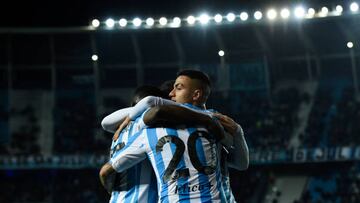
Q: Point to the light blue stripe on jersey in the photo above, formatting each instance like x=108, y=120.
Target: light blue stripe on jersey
x=181, y=181
x=152, y=138
x=205, y=193
x=114, y=196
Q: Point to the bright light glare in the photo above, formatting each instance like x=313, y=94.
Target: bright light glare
x=122, y=22
x=244, y=16
x=204, y=19
x=324, y=11
x=137, y=22
x=299, y=12
x=110, y=23
x=221, y=53
x=163, y=21
x=94, y=57
x=230, y=17
x=95, y=23
x=339, y=9
x=257, y=15
x=311, y=12
x=150, y=21
x=354, y=7
x=176, y=22
x=271, y=14
x=285, y=13
x=190, y=20
x=218, y=18
x=350, y=45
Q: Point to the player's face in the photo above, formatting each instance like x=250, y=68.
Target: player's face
x=183, y=90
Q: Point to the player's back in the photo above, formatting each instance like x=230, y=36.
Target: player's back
x=137, y=184
x=186, y=164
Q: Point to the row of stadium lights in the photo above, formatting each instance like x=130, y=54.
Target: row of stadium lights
x=221, y=53
x=203, y=19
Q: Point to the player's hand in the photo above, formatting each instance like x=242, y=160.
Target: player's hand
x=216, y=128
x=228, y=123
x=121, y=127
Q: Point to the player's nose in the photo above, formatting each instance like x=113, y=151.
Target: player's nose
x=172, y=93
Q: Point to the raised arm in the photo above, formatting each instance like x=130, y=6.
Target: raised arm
x=112, y=121
x=148, y=102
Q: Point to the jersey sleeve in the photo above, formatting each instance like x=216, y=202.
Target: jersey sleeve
x=148, y=102
x=112, y=121
x=131, y=154
x=239, y=152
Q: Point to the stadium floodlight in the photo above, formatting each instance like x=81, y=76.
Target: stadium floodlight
x=271, y=14
x=122, y=22
x=338, y=10
x=244, y=16
x=285, y=13
x=95, y=23
x=218, y=18
x=94, y=57
x=163, y=21
x=137, y=22
x=230, y=17
x=110, y=23
x=350, y=45
x=204, y=18
x=311, y=13
x=324, y=12
x=176, y=22
x=354, y=7
x=257, y=15
x=299, y=12
x=221, y=53
x=190, y=20
x=150, y=21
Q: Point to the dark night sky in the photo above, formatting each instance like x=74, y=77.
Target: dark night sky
x=55, y=13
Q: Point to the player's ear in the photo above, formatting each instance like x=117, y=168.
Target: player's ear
x=197, y=95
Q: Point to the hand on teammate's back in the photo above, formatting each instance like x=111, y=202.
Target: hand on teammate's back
x=121, y=127
x=216, y=128
x=228, y=123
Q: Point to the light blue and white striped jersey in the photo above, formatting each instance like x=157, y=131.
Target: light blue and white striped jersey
x=225, y=179
x=138, y=183
x=185, y=161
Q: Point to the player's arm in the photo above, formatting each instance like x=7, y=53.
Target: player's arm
x=131, y=154
x=107, y=177
x=112, y=121
x=148, y=102
x=170, y=115
x=239, y=152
